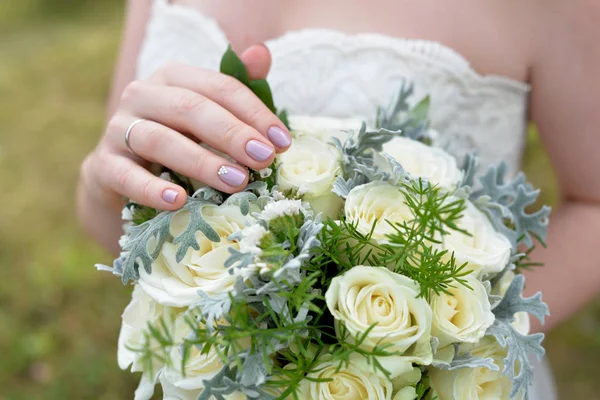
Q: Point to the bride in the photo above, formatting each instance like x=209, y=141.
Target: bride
x=489, y=65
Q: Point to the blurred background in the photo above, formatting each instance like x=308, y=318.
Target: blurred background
x=59, y=317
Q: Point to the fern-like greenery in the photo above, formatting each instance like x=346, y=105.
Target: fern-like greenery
x=409, y=251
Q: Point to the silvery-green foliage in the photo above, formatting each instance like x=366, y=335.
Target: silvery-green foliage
x=208, y=194
x=266, y=295
x=357, y=159
x=495, y=279
x=156, y=232
x=197, y=223
x=470, y=167
x=238, y=260
x=516, y=364
x=342, y=187
x=156, y=229
x=399, y=116
x=290, y=273
x=212, y=308
x=253, y=371
x=226, y=382
x=358, y=149
x=504, y=200
x=116, y=269
x=466, y=360
x=244, y=198
x=398, y=175
x=494, y=299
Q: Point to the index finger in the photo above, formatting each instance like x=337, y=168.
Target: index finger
x=232, y=95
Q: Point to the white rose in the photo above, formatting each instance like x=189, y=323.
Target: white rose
x=464, y=315
x=475, y=383
x=364, y=296
x=404, y=384
x=422, y=161
x=311, y=167
x=323, y=128
x=350, y=383
x=200, y=366
x=141, y=311
x=177, y=284
x=376, y=202
x=171, y=392
x=485, y=251
x=406, y=393
x=521, y=322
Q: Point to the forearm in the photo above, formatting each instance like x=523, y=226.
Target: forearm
x=571, y=275
x=99, y=212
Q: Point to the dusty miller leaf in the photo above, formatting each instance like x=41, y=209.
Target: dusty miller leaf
x=342, y=187
x=508, y=200
x=413, y=122
x=357, y=159
x=156, y=229
x=466, y=360
x=208, y=194
x=254, y=370
x=223, y=384
x=518, y=347
x=212, y=308
x=470, y=166
x=290, y=273
x=197, y=223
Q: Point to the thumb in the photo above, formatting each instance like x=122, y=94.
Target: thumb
x=257, y=60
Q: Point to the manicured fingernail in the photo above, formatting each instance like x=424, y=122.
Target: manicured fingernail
x=279, y=137
x=170, y=196
x=231, y=176
x=257, y=150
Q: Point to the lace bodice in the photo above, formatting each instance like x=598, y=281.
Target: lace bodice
x=323, y=72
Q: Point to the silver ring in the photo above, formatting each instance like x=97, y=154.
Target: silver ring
x=128, y=134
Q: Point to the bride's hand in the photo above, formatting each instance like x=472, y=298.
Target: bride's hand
x=181, y=106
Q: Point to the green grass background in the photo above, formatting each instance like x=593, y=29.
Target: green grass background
x=59, y=317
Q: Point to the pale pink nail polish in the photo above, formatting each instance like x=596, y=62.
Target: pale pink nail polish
x=258, y=151
x=231, y=176
x=279, y=137
x=170, y=196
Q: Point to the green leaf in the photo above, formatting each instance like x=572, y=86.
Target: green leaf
x=421, y=110
x=283, y=116
x=141, y=213
x=261, y=89
x=232, y=65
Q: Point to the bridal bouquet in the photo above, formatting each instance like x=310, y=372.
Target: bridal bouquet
x=364, y=264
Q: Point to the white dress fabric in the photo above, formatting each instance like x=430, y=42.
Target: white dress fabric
x=321, y=72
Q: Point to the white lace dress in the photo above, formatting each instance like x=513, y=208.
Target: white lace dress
x=322, y=72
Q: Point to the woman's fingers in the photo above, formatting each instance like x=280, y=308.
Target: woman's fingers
x=188, y=112
x=215, y=109
x=231, y=95
x=122, y=175
x=159, y=144
x=257, y=60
